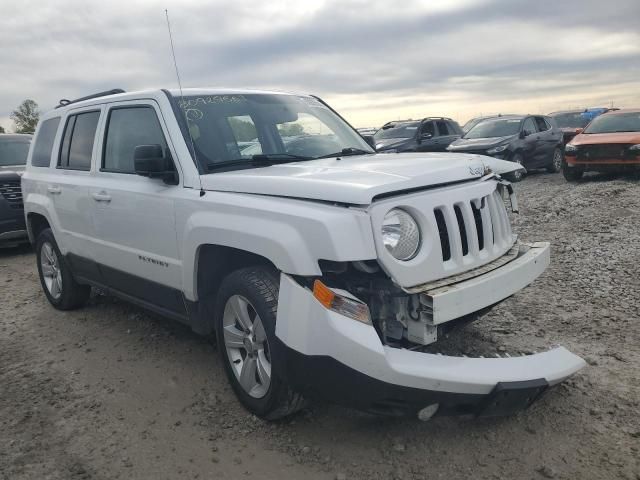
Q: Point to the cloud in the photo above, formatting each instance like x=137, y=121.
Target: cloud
x=373, y=60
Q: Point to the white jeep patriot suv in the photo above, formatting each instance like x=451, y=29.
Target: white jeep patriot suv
x=323, y=268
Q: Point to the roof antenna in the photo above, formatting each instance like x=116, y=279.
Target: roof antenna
x=175, y=64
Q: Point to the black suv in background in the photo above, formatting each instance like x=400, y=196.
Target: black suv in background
x=432, y=134
x=534, y=141
x=13, y=157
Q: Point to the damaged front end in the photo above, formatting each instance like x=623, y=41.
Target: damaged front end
x=385, y=361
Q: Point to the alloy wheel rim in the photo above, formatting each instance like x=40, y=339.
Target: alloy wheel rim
x=247, y=346
x=51, y=272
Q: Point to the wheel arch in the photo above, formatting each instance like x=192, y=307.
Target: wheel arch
x=36, y=223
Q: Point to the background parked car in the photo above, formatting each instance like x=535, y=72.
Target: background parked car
x=13, y=157
x=431, y=134
x=609, y=142
x=534, y=141
x=572, y=122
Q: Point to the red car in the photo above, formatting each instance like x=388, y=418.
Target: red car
x=611, y=142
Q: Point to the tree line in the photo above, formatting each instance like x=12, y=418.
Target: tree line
x=25, y=117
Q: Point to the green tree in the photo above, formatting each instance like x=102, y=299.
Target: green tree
x=290, y=129
x=2, y=129
x=26, y=116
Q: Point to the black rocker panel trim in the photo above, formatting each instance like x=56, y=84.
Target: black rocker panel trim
x=159, y=298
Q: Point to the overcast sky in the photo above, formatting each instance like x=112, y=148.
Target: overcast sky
x=373, y=61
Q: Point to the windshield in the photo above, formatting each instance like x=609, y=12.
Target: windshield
x=495, y=128
x=13, y=152
x=572, y=120
x=615, y=122
x=397, y=130
x=471, y=123
x=234, y=128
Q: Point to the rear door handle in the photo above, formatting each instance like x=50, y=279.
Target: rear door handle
x=101, y=197
x=54, y=190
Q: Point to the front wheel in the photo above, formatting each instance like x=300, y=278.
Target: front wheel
x=57, y=281
x=572, y=174
x=556, y=161
x=518, y=174
x=246, y=311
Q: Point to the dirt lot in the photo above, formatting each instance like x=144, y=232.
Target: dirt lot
x=111, y=391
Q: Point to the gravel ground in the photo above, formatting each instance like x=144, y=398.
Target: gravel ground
x=111, y=391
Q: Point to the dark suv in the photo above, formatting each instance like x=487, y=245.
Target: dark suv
x=534, y=141
x=432, y=134
x=13, y=157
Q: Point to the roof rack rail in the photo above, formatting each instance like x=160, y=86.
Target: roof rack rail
x=64, y=102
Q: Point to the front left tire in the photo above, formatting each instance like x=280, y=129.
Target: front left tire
x=56, y=278
x=245, y=316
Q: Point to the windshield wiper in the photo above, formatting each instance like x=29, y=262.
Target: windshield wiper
x=258, y=160
x=346, y=152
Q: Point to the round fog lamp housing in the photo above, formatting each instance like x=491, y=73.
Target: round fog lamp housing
x=400, y=234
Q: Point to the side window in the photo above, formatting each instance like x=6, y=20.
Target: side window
x=77, y=141
x=44, y=143
x=529, y=126
x=443, y=128
x=454, y=128
x=428, y=127
x=245, y=135
x=128, y=127
x=542, y=124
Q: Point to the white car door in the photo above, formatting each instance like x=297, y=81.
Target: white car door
x=135, y=240
x=67, y=182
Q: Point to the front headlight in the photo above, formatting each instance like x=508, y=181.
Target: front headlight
x=400, y=234
x=568, y=148
x=498, y=149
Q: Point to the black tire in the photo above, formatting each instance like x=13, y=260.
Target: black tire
x=557, y=160
x=571, y=174
x=259, y=286
x=518, y=174
x=70, y=294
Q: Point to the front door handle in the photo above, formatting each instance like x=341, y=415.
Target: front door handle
x=101, y=197
x=54, y=190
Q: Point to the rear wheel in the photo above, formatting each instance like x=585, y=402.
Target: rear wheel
x=556, y=161
x=518, y=174
x=245, y=325
x=57, y=281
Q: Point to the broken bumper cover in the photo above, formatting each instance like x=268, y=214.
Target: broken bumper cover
x=327, y=355
x=455, y=297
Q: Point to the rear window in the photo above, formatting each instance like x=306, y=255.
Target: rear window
x=44, y=143
x=77, y=142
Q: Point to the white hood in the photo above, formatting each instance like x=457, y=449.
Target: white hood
x=356, y=179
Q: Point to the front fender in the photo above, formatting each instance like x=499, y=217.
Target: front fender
x=292, y=234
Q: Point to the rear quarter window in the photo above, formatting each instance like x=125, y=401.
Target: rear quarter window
x=43, y=144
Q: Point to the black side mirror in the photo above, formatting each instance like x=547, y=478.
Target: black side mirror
x=370, y=140
x=150, y=161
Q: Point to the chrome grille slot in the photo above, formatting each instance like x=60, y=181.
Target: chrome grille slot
x=12, y=193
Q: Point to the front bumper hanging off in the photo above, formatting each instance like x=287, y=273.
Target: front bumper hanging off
x=342, y=360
